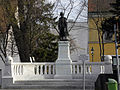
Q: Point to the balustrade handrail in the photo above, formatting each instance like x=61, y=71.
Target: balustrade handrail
x=34, y=63
x=88, y=63
x=53, y=63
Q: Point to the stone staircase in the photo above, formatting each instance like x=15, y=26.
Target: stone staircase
x=53, y=84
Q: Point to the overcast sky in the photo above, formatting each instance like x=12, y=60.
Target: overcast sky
x=77, y=4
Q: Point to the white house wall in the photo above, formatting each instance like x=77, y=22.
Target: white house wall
x=79, y=34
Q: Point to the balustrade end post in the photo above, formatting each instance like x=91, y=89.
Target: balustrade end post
x=7, y=78
x=108, y=64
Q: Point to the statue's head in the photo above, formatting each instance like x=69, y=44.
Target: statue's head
x=61, y=14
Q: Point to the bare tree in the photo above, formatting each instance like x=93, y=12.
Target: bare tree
x=7, y=45
x=100, y=13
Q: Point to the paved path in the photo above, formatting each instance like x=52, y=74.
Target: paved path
x=36, y=89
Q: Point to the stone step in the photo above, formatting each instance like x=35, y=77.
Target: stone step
x=60, y=80
x=55, y=82
x=63, y=87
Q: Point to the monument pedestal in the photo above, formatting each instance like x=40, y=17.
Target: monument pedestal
x=63, y=63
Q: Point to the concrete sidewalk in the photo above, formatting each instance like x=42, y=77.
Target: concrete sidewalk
x=38, y=89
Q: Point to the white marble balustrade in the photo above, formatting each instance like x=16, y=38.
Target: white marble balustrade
x=32, y=71
x=38, y=71
x=90, y=68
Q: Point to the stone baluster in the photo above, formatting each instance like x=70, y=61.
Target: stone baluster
x=45, y=72
x=81, y=67
x=49, y=69
x=78, y=69
x=53, y=69
x=73, y=69
x=102, y=69
x=88, y=69
x=17, y=70
x=21, y=73
x=37, y=69
x=41, y=69
x=13, y=70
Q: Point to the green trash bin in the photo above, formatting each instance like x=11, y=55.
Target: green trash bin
x=112, y=84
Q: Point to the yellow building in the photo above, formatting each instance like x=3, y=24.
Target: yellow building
x=98, y=9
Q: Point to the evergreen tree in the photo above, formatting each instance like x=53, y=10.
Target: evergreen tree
x=42, y=43
x=46, y=50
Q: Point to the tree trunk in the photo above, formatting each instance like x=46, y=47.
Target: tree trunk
x=20, y=34
x=21, y=42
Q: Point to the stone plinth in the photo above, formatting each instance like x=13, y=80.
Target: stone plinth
x=63, y=63
x=7, y=78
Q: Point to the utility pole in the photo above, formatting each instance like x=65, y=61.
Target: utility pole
x=84, y=71
x=116, y=48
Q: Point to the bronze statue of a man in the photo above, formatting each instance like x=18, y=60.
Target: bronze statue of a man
x=62, y=26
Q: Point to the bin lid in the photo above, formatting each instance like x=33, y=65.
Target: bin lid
x=112, y=81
